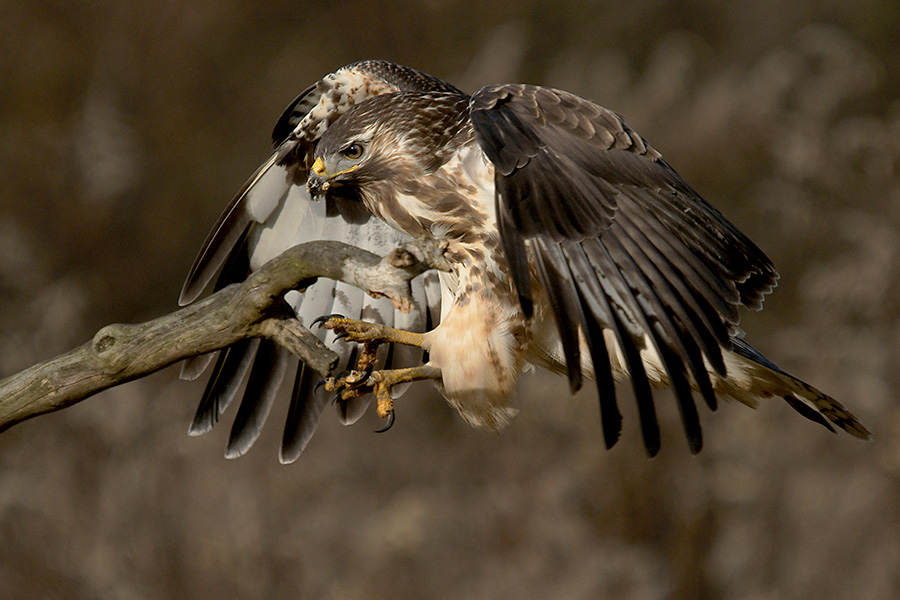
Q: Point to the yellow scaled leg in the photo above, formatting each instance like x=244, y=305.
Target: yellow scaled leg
x=365, y=332
x=365, y=379
x=385, y=380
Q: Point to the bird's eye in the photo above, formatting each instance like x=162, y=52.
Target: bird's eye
x=353, y=151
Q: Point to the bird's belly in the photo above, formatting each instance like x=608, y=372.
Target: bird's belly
x=478, y=346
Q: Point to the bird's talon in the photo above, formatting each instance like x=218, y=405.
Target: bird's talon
x=321, y=320
x=389, y=424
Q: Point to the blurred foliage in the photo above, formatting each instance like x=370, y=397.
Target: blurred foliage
x=126, y=126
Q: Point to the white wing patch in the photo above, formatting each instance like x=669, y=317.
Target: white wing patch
x=294, y=220
x=266, y=191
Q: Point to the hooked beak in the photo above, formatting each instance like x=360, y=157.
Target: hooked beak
x=320, y=180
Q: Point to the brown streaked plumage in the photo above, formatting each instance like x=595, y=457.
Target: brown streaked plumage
x=574, y=246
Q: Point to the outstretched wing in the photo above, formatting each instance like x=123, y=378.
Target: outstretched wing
x=273, y=212
x=620, y=243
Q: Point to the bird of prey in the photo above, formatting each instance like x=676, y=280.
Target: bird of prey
x=573, y=245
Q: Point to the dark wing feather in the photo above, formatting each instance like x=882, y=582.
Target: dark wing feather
x=232, y=365
x=304, y=411
x=632, y=329
x=273, y=212
x=597, y=312
x=269, y=367
x=654, y=318
x=621, y=238
x=553, y=270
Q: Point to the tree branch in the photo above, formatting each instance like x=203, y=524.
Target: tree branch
x=254, y=308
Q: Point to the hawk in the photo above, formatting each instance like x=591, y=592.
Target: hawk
x=573, y=244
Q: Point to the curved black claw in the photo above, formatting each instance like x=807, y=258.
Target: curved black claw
x=341, y=335
x=389, y=424
x=323, y=318
x=317, y=386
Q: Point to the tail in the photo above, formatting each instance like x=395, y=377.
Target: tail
x=751, y=376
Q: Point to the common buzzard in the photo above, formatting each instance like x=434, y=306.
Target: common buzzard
x=574, y=246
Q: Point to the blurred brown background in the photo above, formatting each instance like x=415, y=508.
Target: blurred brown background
x=125, y=127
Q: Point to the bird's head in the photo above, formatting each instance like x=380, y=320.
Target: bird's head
x=389, y=137
x=355, y=150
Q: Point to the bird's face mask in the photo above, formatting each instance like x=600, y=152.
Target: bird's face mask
x=334, y=168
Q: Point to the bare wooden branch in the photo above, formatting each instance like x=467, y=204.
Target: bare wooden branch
x=255, y=308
